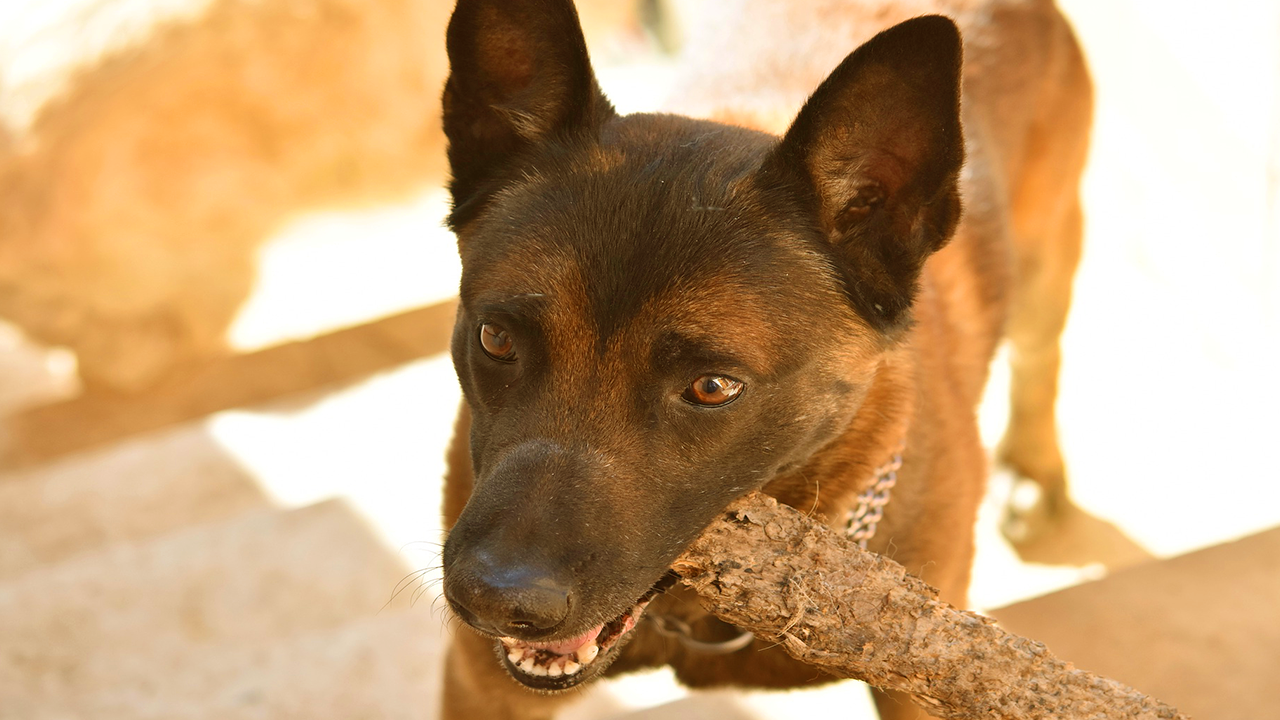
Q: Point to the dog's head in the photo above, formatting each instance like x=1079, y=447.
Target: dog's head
x=659, y=314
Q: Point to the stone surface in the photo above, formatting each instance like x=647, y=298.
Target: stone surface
x=1198, y=631
x=136, y=489
x=198, y=389
x=383, y=667
x=79, y=626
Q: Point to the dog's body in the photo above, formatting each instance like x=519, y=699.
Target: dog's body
x=658, y=314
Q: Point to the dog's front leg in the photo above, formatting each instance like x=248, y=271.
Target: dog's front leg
x=476, y=687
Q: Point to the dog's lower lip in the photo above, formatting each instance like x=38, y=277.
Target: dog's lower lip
x=546, y=666
x=561, y=665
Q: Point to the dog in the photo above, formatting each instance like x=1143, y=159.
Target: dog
x=658, y=314
x=128, y=234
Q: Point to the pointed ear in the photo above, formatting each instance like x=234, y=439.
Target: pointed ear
x=519, y=75
x=879, y=148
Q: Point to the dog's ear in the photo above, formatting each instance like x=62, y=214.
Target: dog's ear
x=879, y=147
x=519, y=75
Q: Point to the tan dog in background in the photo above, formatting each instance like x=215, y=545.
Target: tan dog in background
x=658, y=313
x=132, y=206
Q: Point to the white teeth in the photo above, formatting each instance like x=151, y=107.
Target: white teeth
x=526, y=659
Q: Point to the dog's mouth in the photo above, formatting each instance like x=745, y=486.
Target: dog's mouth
x=561, y=665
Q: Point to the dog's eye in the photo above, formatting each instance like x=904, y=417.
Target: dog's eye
x=713, y=390
x=497, y=343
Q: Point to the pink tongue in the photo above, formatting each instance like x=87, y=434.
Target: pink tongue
x=564, y=647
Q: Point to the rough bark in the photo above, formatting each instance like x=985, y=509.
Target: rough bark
x=771, y=570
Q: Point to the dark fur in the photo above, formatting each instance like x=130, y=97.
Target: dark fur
x=627, y=256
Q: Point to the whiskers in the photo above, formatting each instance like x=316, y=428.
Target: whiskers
x=416, y=583
x=419, y=583
x=817, y=494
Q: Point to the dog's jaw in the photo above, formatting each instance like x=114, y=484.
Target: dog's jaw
x=552, y=660
x=543, y=668
x=555, y=666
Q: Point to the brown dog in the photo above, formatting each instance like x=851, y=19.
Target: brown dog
x=658, y=314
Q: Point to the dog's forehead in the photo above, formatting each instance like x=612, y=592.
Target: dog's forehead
x=658, y=226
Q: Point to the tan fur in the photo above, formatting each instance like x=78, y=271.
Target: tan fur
x=131, y=213
x=131, y=209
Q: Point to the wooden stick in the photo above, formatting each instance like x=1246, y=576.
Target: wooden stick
x=769, y=569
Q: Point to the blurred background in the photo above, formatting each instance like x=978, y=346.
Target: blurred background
x=225, y=301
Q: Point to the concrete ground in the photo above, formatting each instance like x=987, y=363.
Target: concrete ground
x=198, y=565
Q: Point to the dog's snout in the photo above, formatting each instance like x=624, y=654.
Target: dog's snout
x=509, y=560
x=516, y=598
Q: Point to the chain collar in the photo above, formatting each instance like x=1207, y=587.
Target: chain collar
x=860, y=522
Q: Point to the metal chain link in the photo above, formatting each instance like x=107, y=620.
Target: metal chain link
x=860, y=522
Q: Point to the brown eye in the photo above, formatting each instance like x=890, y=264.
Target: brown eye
x=712, y=390
x=497, y=343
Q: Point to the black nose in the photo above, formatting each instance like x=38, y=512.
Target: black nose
x=515, y=598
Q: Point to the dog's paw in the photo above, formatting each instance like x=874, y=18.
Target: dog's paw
x=1030, y=511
